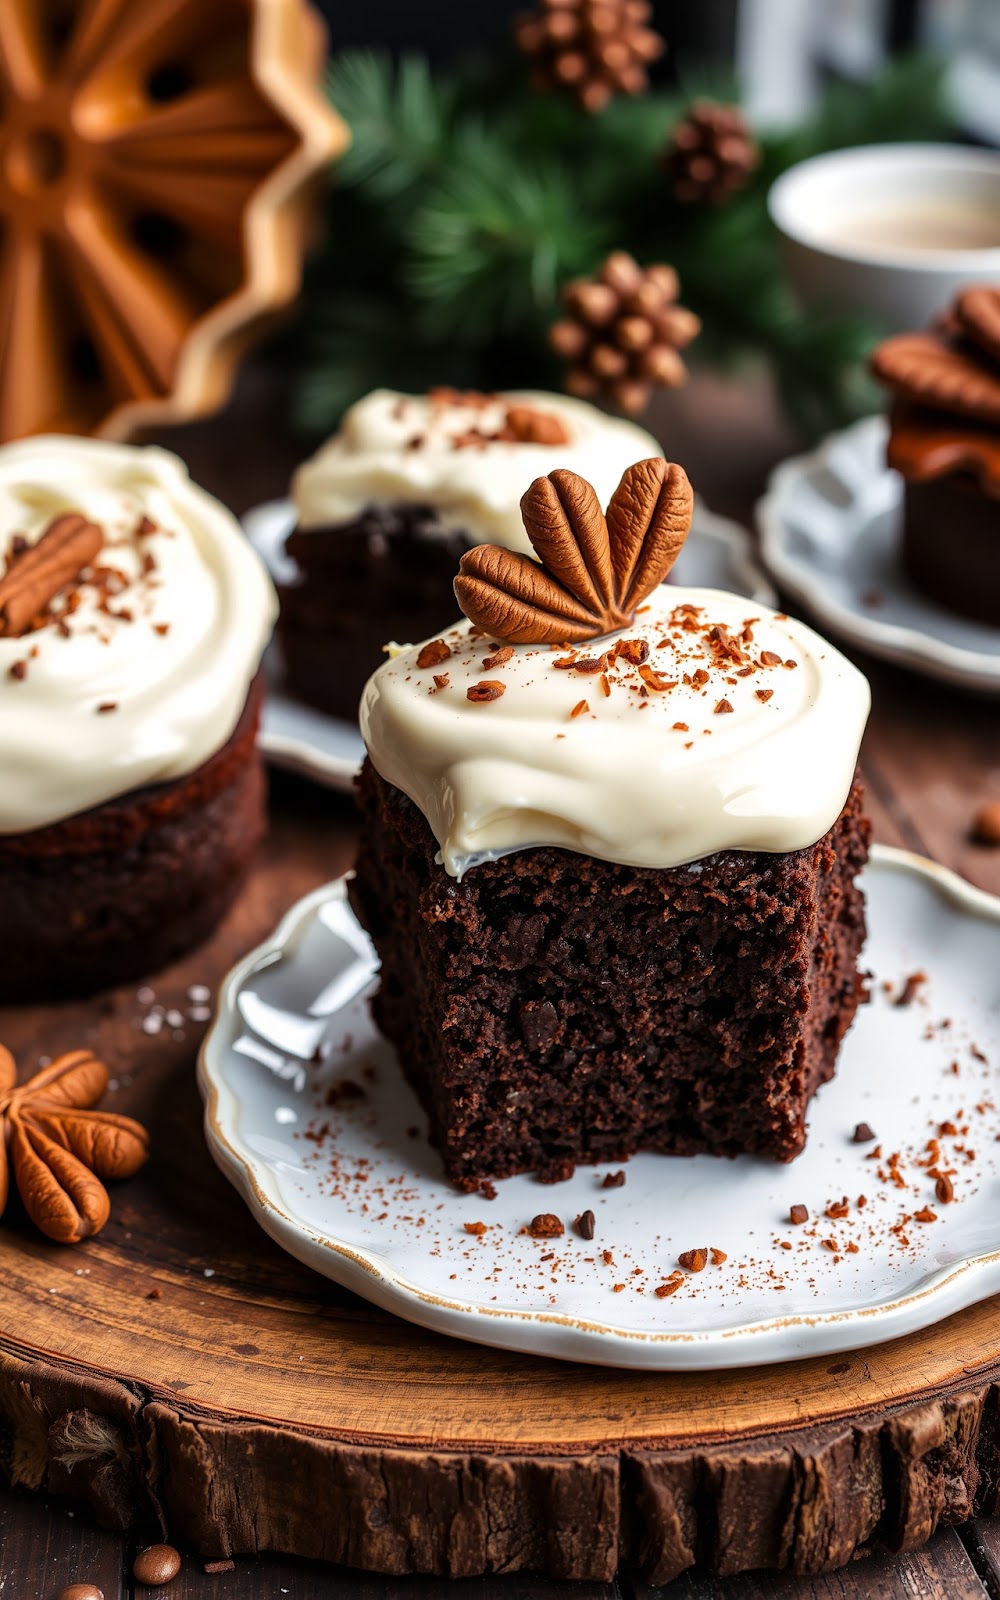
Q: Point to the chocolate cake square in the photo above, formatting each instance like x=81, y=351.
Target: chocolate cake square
x=611, y=832
x=550, y=1008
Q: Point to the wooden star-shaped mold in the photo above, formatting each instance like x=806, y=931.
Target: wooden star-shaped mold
x=154, y=161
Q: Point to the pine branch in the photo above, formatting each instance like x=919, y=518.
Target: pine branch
x=466, y=201
x=492, y=241
x=399, y=117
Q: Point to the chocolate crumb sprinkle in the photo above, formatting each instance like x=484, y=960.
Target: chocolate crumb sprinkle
x=910, y=989
x=433, y=653
x=693, y=1260
x=798, y=1215
x=585, y=1224
x=862, y=1134
x=545, y=1226
x=489, y=689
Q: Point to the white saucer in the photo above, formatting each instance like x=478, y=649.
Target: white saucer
x=716, y=555
x=364, y=1200
x=829, y=527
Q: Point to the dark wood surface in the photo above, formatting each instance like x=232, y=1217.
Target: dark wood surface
x=931, y=756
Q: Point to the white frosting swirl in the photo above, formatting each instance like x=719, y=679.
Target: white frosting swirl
x=168, y=645
x=474, y=488
x=655, y=772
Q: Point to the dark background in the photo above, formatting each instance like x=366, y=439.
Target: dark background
x=696, y=29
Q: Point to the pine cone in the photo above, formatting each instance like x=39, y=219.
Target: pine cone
x=623, y=333
x=712, y=153
x=593, y=48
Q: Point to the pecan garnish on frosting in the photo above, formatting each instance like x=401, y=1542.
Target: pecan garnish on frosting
x=58, y=1150
x=954, y=367
x=593, y=571
x=39, y=572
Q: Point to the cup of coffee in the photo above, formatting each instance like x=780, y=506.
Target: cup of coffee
x=890, y=230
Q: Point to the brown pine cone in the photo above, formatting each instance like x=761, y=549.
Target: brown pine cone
x=711, y=155
x=592, y=48
x=623, y=333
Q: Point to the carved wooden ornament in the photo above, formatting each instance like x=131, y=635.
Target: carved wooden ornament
x=154, y=156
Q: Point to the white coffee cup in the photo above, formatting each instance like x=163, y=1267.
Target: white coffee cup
x=890, y=230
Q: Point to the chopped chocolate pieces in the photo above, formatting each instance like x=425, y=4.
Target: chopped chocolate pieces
x=499, y=657
x=18, y=670
x=585, y=1224
x=944, y=1189
x=106, y=706
x=718, y=1256
x=769, y=659
x=693, y=1260
x=477, y=1228
x=613, y=1180
x=219, y=1566
x=670, y=1287
x=656, y=681
x=910, y=989
x=545, y=1226
x=925, y=1214
x=763, y=694
x=489, y=689
x=862, y=1134
x=723, y=706
x=526, y=425
x=579, y=709
x=634, y=650
x=433, y=653
x=986, y=824
x=798, y=1214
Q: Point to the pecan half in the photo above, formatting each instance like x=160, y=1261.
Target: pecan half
x=58, y=1150
x=592, y=571
x=924, y=367
x=36, y=575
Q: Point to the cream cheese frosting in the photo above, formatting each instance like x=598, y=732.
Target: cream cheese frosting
x=441, y=450
x=711, y=723
x=148, y=675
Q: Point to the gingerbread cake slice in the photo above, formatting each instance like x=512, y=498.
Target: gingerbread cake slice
x=610, y=846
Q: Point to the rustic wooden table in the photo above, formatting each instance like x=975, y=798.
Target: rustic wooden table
x=930, y=758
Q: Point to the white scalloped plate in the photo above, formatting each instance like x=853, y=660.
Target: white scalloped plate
x=346, y=1181
x=717, y=555
x=829, y=527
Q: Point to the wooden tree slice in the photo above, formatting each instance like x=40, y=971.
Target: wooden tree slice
x=180, y=1364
